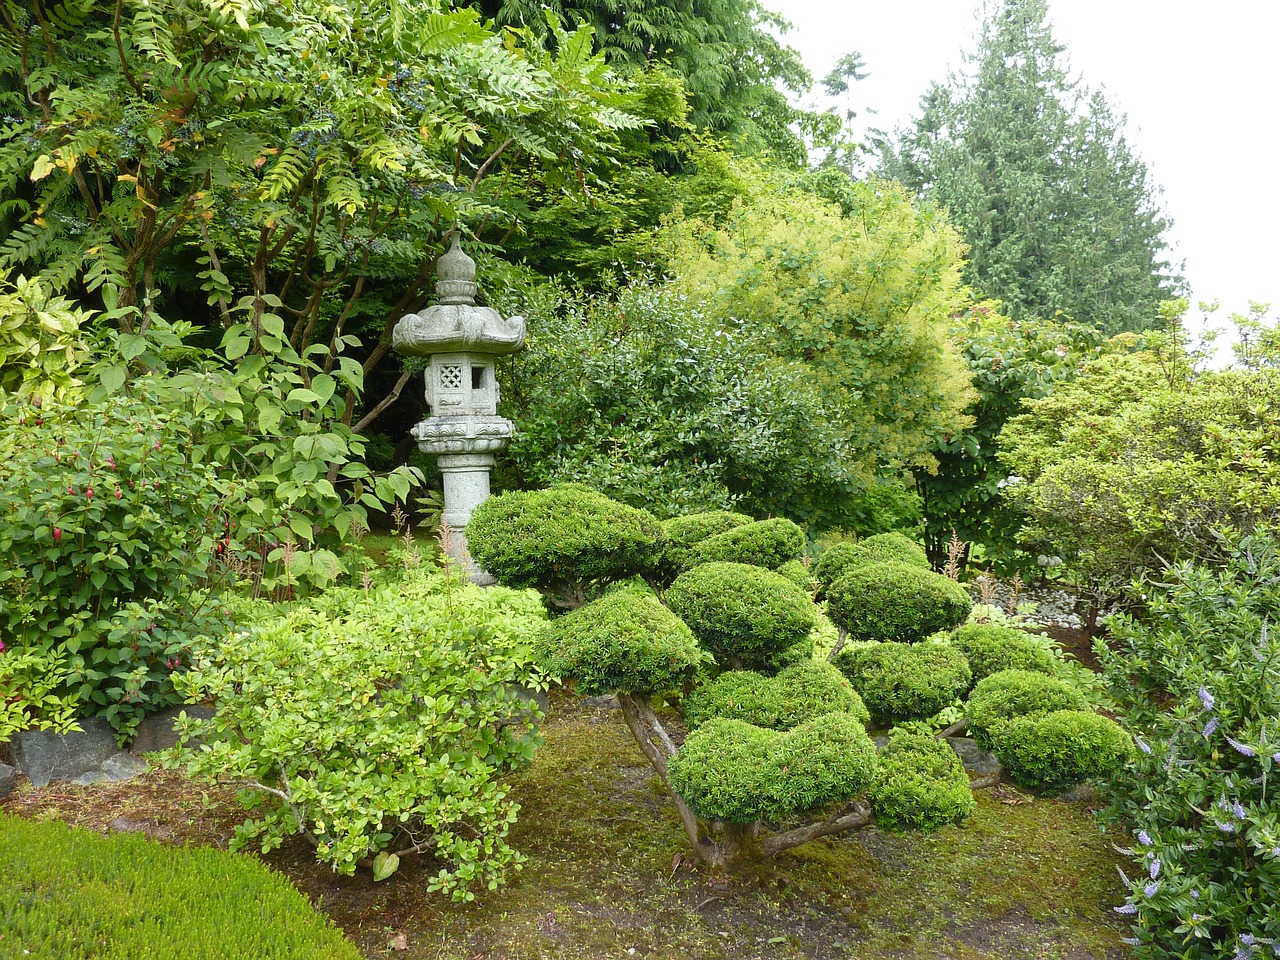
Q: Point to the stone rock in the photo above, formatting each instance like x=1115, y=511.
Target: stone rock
x=148, y=827
x=156, y=732
x=45, y=756
x=607, y=702
x=1081, y=793
x=7, y=775
x=974, y=759
x=121, y=765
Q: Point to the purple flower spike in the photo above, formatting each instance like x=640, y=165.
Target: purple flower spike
x=1142, y=744
x=1154, y=869
x=1210, y=727
x=1243, y=748
x=1126, y=908
x=1238, y=810
x=1144, y=838
x=1150, y=889
x=1206, y=698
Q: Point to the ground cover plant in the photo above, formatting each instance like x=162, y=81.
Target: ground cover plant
x=69, y=894
x=801, y=770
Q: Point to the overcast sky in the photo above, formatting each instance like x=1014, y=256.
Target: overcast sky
x=1198, y=81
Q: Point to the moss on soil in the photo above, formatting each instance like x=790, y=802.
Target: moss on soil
x=607, y=875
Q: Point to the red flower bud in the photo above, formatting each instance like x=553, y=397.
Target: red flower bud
x=118, y=493
x=88, y=494
x=57, y=534
x=71, y=490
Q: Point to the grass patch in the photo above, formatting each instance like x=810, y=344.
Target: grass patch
x=66, y=894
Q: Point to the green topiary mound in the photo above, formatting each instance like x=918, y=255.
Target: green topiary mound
x=680, y=534
x=896, y=602
x=899, y=681
x=733, y=771
x=798, y=573
x=626, y=641
x=990, y=649
x=1053, y=750
x=799, y=693
x=921, y=785
x=70, y=894
x=764, y=543
x=1014, y=693
x=882, y=548
x=565, y=541
x=748, y=617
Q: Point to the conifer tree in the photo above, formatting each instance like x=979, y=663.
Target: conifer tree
x=1059, y=213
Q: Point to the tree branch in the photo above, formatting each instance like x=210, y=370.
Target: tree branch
x=386, y=401
x=642, y=731
x=859, y=816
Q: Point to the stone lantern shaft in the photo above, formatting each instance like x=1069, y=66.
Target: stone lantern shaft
x=464, y=430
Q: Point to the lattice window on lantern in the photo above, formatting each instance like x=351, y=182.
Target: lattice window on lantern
x=450, y=377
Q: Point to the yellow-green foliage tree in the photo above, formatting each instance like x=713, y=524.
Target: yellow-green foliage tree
x=860, y=291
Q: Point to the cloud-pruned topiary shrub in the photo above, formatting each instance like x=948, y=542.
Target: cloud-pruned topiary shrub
x=797, y=694
x=896, y=602
x=763, y=543
x=843, y=558
x=922, y=785
x=748, y=617
x=681, y=534
x=734, y=771
x=1057, y=748
x=899, y=681
x=567, y=542
x=624, y=641
x=990, y=648
x=1002, y=696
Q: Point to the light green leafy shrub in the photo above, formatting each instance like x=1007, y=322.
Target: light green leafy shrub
x=733, y=771
x=799, y=693
x=899, y=681
x=28, y=693
x=921, y=784
x=108, y=522
x=1013, y=693
x=990, y=649
x=380, y=723
x=748, y=617
x=567, y=542
x=842, y=558
x=624, y=641
x=681, y=534
x=763, y=543
x=67, y=893
x=896, y=602
x=1057, y=748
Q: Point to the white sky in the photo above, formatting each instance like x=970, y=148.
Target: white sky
x=1199, y=82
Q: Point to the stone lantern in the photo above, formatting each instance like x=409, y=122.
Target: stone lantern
x=464, y=430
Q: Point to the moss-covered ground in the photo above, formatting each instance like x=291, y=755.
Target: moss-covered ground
x=607, y=875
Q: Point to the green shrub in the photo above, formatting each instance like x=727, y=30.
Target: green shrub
x=107, y=529
x=801, y=692
x=1197, y=680
x=680, y=534
x=899, y=681
x=745, y=615
x=71, y=894
x=921, y=784
x=798, y=573
x=566, y=541
x=882, y=548
x=763, y=543
x=896, y=602
x=1058, y=748
x=1014, y=693
x=733, y=771
x=379, y=724
x=625, y=641
x=28, y=693
x=990, y=649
